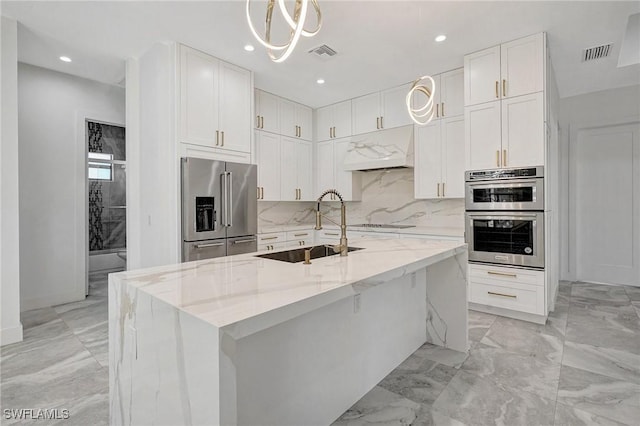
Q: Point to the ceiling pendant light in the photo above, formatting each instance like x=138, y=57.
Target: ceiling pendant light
x=296, y=24
x=422, y=114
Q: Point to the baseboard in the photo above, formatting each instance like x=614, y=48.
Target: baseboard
x=11, y=335
x=524, y=316
x=53, y=300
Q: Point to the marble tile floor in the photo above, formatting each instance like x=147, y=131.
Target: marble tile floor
x=581, y=368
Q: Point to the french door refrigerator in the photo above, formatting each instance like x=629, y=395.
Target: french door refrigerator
x=219, y=208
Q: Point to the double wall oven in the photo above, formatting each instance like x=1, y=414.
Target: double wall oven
x=505, y=216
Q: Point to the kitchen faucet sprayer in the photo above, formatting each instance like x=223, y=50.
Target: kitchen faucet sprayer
x=343, y=247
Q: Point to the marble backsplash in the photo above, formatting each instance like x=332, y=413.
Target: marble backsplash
x=387, y=197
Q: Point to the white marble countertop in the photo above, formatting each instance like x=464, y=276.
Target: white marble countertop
x=245, y=294
x=418, y=230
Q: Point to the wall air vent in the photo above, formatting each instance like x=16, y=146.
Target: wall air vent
x=596, y=52
x=323, y=51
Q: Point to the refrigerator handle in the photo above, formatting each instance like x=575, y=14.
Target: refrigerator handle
x=223, y=202
x=230, y=198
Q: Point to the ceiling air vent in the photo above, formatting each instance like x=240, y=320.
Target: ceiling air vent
x=596, y=52
x=323, y=51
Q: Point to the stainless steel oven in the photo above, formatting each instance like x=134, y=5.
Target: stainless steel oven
x=505, y=189
x=509, y=238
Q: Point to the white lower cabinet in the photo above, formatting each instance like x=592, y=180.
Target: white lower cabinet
x=271, y=240
x=520, y=290
x=279, y=240
x=303, y=237
x=327, y=236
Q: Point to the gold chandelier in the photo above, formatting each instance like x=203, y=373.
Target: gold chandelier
x=295, y=22
x=422, y=114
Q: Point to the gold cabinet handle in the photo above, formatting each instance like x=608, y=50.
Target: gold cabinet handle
x=217, y=137
x=498, y=158
x=334, y=132
x=497, y=88
x=443, y=189
x=437, y=110
x=502, y=295
x=262, y=192
x=438, y=189
x=257, y=121
x=222, y=138
x=504, y=158
x=330, y=132
x=301, y=235
x=381, y=123
x=442, y=109
x=332, y=234
x=504, y=88
x=262, y=122
x=377, y=122
x=258, y=192
x=268, y=238
x=502, y=274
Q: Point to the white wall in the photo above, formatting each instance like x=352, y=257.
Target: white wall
x=607, y=107
x=53, y=205
x=10, y=326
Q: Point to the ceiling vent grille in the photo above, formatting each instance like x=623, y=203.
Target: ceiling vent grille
x=596, y=52
x=323, y=51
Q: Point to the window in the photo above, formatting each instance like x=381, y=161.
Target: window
x=100, y=166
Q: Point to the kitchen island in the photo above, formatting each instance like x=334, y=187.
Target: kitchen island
x=244, y=340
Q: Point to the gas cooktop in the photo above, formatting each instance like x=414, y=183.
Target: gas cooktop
x=381, y=225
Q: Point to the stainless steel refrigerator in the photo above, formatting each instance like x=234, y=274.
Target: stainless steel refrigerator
x=219, y=208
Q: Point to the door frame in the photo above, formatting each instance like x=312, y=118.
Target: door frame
x=568, y=217
x=82, y=202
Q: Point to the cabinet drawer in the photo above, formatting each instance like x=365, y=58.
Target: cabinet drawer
x=517, y=297
x=499, y=274
x=271, y=238
x=306, y=235
x=271, y=246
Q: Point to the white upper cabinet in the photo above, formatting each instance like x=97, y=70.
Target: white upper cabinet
x=325, y=165
x=483, y=136
x=333, y=121
x=439, y=153
x=380, y=110
x=268, y=161
x=523, y=132
x=296, y=172
x=330, y=173
x=215, y=102
x=295, y=119
x=267, y=118
x=511, y=69
x=451, y=97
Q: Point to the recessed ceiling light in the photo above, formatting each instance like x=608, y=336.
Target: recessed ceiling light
x=249, y=48
x=441, y=37
x=65, y=59
x=320, y=81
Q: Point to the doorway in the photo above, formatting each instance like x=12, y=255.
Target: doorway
x=607, y=204
x=106, y=202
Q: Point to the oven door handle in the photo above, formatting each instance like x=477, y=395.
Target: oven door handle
x=505, y=184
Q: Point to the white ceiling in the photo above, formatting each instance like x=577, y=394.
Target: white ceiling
x=380, y=43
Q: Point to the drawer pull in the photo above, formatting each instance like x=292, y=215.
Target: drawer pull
x=502, y=294
x=301, y=235
x=332, y=234
x=268, y=238
x=502, y=274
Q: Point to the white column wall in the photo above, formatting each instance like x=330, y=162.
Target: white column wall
x=10, y=326
x=597, y=109
x=53, y=187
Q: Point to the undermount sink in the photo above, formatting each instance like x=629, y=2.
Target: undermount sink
x=297, y=255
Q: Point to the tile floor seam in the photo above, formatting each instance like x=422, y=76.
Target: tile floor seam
x=564, y=342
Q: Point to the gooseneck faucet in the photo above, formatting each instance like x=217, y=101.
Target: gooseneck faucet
x=343, y=248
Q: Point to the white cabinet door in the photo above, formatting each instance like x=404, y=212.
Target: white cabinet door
x=268, y=160
x=267, y=112
x=325, y=167
x=428, y=161
x=522, y=66
x=198, y=97
x=394, y=107
x=481, y=76
x=366, y=113
x=452, y=93
x=523, y=131
x=453, y=158
x=304, y=166
x=304, y=122
x=287, y=114
x=288, y=169
x=235, y=104
x=342, y=119
x=349, y=184
x=324, y=123
x=482, y=135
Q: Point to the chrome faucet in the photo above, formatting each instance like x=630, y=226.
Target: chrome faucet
x=343, y=248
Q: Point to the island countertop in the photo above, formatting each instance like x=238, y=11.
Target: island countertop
x=245, y=294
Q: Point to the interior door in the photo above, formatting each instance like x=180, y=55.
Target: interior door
x=607, y=205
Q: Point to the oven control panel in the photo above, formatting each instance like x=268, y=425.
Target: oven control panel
x=498, y=174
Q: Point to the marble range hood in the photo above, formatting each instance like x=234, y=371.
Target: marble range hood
x=382, y=149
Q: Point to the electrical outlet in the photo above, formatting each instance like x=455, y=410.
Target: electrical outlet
x=356, y=303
